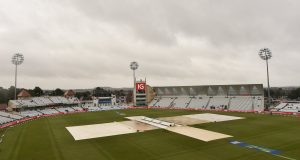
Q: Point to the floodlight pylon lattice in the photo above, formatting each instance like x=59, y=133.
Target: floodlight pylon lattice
x=17, y=59
x=134, y=66
x=266, y=54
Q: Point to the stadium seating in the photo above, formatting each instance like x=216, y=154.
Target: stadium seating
x=258, y=103
x=55, y=100
x=199, y=102
x=91, y=107
x=165, y=101
x=76, y=108
x=287, y=107
x=46, y=100
x=291, y=107
x=64, y=100
x=38, y=101
x=4, y=120
x=8, y=115
x=280, y=106
x=73, y=100
x=48, y=111
x=38, y=107
x=242, y=103
x=87, y=105
x=16, y=103
x=218, y=102
x=154, y=101
x=30, y=113
x=105, y=108
x=181, y=102
x=65, y=109
x=122, y=106
x=27, y=103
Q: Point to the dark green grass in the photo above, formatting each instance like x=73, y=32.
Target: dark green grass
x=48, y=139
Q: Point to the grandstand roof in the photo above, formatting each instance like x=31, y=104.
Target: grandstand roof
x=69, y=93
x=211, y=90
x=23, y=93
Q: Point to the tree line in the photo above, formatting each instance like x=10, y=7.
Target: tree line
x=289, y=94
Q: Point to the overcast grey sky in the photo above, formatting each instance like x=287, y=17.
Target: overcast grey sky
x=84, y=44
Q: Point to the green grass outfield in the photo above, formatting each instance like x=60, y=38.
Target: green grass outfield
x=48, y=139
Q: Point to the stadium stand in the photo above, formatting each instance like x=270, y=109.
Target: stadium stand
x=90, y=107
x=30, y=113
x=288, y=107
x=64, y=100
x=244, y=97
x=33, y=107
x=218, y=102
x=72, y=100
x=181, y=102
x=55, y=100
x=241, y=103
x=45, y=100
x=105, y=108
x=280, y=106
x=154, y=101
x=65, y=109
x=41, y=102
x=4, y=120
x=12, y=116
x=199, y=102
x=258, y=103
x=27, y=103
x=76, y=108
x=48, y=111
x=165, y=101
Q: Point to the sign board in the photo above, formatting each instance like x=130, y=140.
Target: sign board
x=140, y=86
x=258, y=148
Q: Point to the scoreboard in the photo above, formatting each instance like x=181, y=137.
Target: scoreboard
x=140, y=87
x=140, y=90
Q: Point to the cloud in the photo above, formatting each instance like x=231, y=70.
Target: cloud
x=80, y=44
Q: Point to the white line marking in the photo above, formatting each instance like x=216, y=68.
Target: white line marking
x=284, y=157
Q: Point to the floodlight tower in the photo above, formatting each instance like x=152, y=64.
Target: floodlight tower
x=266, y=54
x=134, y=66
x=17, y=59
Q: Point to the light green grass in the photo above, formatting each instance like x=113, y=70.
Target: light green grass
x=48, y=139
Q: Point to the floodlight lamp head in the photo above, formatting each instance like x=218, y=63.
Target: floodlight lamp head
x=17, y=59
x=265, y=53
x=134, y=65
